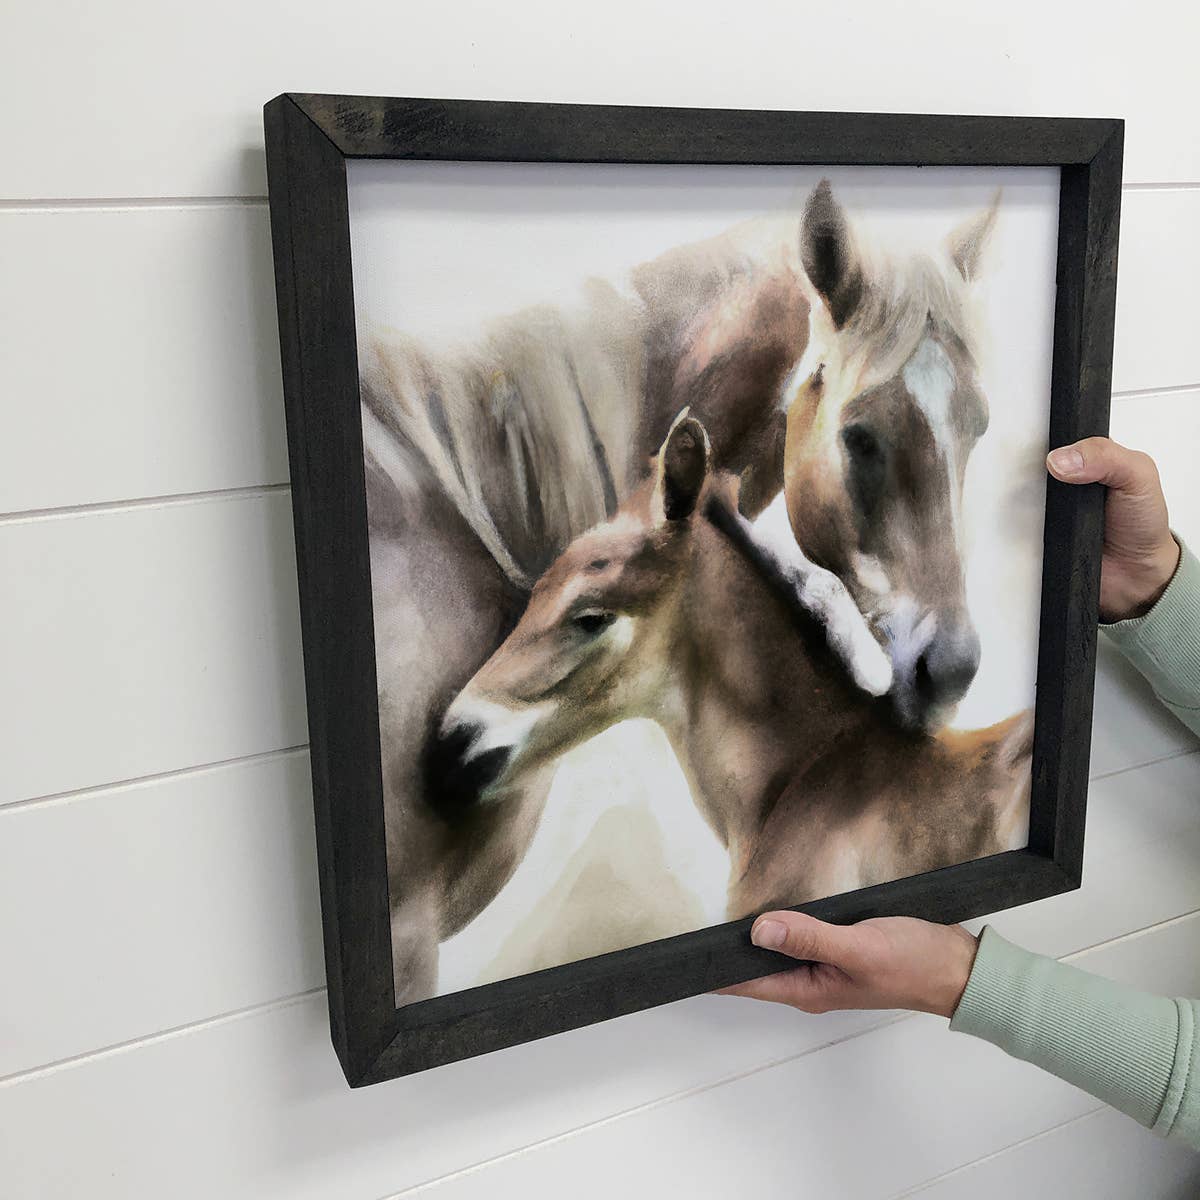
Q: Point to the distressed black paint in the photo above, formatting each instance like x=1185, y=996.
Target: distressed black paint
x=308, y=139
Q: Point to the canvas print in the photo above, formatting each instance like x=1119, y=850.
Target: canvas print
x=705, y=511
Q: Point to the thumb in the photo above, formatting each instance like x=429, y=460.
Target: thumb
x=801, y=936
x=1101, y=460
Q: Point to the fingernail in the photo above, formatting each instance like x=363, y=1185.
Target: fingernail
x=1066, y=461
x=770, y=935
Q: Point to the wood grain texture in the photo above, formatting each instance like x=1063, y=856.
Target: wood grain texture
x=311, y=232
x=307, y=137
x=1089, y=216
x=504, y=131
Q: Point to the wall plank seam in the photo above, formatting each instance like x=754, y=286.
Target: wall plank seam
x=104, y=789
x=962, y=1168
x=119, y=203
x=168, y=500
x=640, y=1110
x=29, y=515
x=165, y=1035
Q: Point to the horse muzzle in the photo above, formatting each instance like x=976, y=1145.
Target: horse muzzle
x=459, y=769
x=931, y=680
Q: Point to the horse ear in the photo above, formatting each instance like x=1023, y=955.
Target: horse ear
x=682, y=467
x=966, y=244
x=828, y=254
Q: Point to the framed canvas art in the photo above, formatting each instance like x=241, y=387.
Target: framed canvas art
x=674, y=540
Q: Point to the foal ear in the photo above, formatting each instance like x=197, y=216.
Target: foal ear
x=966, y=244
x=828, y=254
x=682, y=468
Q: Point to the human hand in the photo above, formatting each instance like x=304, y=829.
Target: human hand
x=885, y=962
x=1140, y=555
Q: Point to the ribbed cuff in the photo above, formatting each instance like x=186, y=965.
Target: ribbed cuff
x=1164, y=644
x=1177, y=1114
x=1111, y=1040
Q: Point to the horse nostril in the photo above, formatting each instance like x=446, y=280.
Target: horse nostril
x=484, y=769
x=456, y=772
x=455, y=742
x=947, y=668
x=923, y=677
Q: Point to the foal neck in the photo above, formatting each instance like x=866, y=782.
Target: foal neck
x=760, y=700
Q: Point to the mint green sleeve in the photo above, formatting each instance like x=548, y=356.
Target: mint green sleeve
x=1164, y=645
x=1128, y=1048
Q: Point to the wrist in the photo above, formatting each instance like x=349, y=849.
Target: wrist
x=949, y=980
x=1142, y=584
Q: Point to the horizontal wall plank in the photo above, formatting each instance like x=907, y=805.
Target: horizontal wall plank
x=141, y=355
x=172, y=386
x=165, y=636
x=141, y=360
x=1140, y=870
x=1140, y=863
x=185, y=120
x=146, y=640
x=180, y=649
x=89, y=874
x=145, y=907
x=930, y=1102
x=1105, y=1156
x=257, y=1107
x=1129, y=726
x=1168, y=428
x=1155, y=343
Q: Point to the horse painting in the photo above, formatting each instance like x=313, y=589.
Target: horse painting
x=838, y=390
x=671, y=611
x=883, y=411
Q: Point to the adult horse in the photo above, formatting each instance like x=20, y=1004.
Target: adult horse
x=882, y=412
x=484, y=463
x=670, y=611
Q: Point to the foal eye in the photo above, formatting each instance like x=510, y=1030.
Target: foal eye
x=861, y=443
x=593, y=621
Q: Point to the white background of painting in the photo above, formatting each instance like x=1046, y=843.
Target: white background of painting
x=440, y=249
x=163, y=1025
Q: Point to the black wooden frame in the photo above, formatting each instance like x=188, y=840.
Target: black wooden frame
x=308, y=139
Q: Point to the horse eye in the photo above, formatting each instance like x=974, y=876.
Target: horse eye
x=861, y=443
x=866, y=462
x=593, y=621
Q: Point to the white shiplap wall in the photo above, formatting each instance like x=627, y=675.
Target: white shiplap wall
x=162, y=1024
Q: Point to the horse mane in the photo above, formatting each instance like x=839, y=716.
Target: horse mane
x=902, y=299
x=809, y=608
x=532, y=432
x=525, y=431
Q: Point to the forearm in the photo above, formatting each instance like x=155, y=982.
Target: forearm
x=1164, y=645
x=1130, y=1049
